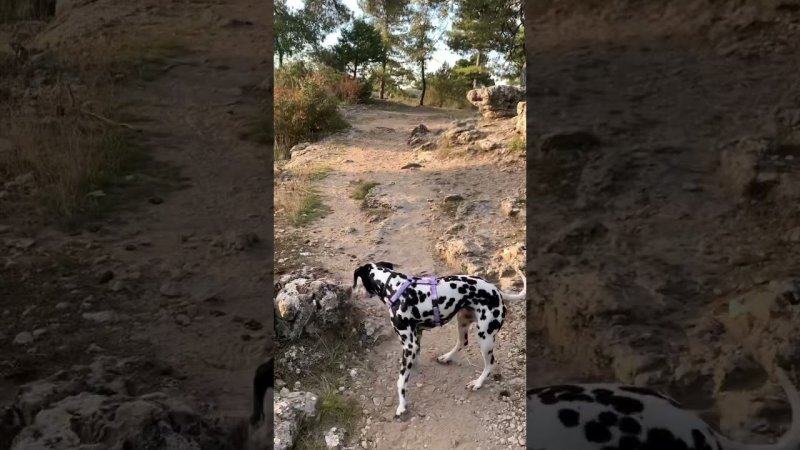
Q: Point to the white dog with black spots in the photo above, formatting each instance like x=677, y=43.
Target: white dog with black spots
x=412, y=309
x=618, y=417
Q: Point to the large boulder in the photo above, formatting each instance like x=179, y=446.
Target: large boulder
x=308, y=302
x=496, y=102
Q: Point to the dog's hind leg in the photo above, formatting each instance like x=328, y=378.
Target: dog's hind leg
x=464, y=317
x=411, y=349
x=486, y=342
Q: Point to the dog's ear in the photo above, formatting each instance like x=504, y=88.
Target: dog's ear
x=385, y=265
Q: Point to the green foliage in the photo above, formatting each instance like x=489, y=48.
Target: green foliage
x=482, y=26
x=305, y=109
x=358, y=46
x=390, y=16
x=448, y=86
x=297, y=30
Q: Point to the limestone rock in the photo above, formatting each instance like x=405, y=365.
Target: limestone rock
x=292, y=409
x=306, y=303
x=495, y=102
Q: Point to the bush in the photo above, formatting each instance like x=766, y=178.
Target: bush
x=305, y=113
x=365, y=91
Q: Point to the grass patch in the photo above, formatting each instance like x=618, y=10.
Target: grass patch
x=297, y=200
x=517, y=144
x=71, y=166
x=338, y=350
x=335, y=410
x=362, y=190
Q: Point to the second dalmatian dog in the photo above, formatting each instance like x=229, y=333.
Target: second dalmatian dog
x=604, y=416
x=416, y=304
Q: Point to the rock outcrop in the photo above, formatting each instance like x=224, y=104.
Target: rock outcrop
x=309, y=302
x=496, y=102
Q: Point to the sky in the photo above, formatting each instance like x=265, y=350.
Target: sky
x=439, y=57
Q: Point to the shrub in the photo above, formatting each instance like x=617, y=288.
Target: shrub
x=365, y=91
x=304, y=114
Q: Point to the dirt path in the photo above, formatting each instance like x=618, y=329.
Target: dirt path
x=211, y=320
x=443, y=414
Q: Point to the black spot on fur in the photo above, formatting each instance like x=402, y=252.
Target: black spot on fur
x=569, y=417
x=629, y=425
x=596, y=432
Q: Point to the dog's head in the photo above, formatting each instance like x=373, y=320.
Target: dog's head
x=364, y=272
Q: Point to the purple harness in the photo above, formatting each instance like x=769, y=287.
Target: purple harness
x=430, y=281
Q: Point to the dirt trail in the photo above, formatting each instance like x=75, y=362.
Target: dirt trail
x=443, y=414
x=197, y=114
x=184, y=292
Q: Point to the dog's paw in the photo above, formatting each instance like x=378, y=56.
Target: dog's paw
x=474, y=385
x=400, y=414
x=443, y=360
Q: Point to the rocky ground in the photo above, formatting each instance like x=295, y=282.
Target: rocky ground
x=142, y=327
x=449, y=199
x=663, y=143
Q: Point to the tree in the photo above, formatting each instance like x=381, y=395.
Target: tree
x=389, y=16
x=481, y=26
x=296, y=30
x=476, y=74
x=420, y=42
x=359, y=45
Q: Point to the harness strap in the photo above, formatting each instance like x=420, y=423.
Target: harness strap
x=431, y=281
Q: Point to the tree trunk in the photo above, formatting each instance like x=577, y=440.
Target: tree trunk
x=385, y=58
x=478, y=65
x=280, y=58
x=383, y=74
x=422, y=95
x=355, y=70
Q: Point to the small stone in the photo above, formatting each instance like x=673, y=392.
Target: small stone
x=183, y=320
x=39, y=332
x=106, y=276
x=169, y=290
x=60, y=306
x=21, y=244
x=24, y=338
x=453, y=198
x=107, y=316
x=155, y=200
x=94, y=348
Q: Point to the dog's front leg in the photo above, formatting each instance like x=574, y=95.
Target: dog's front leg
x=410, y=351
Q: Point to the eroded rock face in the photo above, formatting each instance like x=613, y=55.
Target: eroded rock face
x=496, y=102
x=309, y=302
x=98, y=406
x=292, y=409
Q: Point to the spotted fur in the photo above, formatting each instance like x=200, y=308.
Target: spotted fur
x=467, y=298
x=618, y=417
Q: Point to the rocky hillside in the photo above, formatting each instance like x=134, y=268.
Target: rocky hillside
x=664, y=147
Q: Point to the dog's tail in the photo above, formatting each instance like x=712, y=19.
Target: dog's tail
x=790, y=440
x=522, y=294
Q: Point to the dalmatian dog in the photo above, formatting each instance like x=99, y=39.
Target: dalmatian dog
x=416, y=304
x=613, y=416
